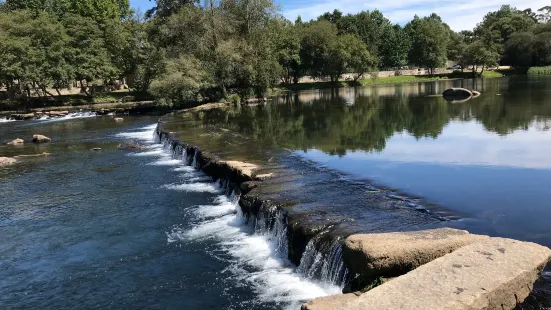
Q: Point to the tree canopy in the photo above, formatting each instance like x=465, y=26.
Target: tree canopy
x=188, y=51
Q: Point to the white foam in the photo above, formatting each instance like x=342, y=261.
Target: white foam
x=6, y=120
x=144, y=133
x=194, y=187
x=184, y=169
x=68, y=116
x=166, y=162
x=273, y=278
x=148, y=153
x=225, y=207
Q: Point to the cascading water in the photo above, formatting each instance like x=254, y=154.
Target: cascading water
x=328, y=267
x=257, y=244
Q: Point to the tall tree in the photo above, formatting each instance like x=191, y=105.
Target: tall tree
x=429, y=41
x=497, y=27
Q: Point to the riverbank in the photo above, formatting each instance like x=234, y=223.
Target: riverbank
x=275, y=195
x=389, y=80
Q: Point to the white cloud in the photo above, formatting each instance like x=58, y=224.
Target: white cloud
x=459, y=14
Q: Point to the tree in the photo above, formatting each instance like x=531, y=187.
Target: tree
x=183, y=82
x=357, y=58
x=88, y=54
x=393, y=51
x=429, y=41
x=497, y=27
x=99, y=10
x=544, y=15
x=316, y=44
x=477, y=54
x=529, y=48
x=286, y=37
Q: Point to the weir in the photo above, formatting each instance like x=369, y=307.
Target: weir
x=323, y=264
x=317, y=238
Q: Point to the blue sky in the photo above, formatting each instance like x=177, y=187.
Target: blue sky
x=459, y=14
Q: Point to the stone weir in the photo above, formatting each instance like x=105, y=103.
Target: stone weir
x=392, y=252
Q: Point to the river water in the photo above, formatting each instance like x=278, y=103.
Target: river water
x=123, y=230
x=126, y=230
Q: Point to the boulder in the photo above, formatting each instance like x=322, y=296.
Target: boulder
x=7, y=161
x=394, y=254
x=495, y=273
x=457, y=94
x=17, y=142
x=131, y=145
x=41, y=139
x=119, y=119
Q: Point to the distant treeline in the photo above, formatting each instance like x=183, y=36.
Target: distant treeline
x=185, y=51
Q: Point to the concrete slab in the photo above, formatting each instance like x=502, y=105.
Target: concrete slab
x=495, y=273
x=394, y=254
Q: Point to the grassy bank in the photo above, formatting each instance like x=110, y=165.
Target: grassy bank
x=539, y=70
x=388, y=80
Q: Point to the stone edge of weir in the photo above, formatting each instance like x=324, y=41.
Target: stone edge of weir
x=431, y=269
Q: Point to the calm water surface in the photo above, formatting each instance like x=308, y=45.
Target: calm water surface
x=487, y=160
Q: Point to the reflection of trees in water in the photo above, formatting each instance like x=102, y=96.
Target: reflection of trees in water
x=337, y=120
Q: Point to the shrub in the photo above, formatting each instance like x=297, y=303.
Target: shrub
x=540, y=70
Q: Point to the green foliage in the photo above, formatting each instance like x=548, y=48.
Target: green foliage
x=183, y=82
x=529, y=48
x=477, y=55
x=497, y=27
x=539, y=70
x=429, y=41
x=394, y=48
x=99, y=10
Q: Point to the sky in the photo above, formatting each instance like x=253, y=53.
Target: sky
x=459, y=14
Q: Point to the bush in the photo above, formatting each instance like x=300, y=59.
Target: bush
x=539, y=70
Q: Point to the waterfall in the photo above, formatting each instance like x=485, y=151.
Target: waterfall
x=318, y=264
x=328, y=267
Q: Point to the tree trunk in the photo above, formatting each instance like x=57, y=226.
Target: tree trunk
x=84, y=88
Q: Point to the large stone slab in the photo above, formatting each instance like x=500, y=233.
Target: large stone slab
x=394, y=254
x=495, y=273
x=330, y=302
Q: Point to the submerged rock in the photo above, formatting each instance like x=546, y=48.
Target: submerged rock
x=41, y=139
x=7, y=161
x=394, y=254
x=131, y=145
x=118, y=119
x=17, y=142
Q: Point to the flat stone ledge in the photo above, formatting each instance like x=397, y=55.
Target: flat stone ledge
x=394, y=254
x=330, y=302
x=495, y=273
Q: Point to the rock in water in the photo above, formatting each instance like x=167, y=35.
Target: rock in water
x=131, y=145
x=17, y=142
x=457, y=94
x=7, y=161
x=41, y=139
x=119, y=119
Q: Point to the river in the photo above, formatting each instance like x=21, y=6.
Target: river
x=125, y=230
